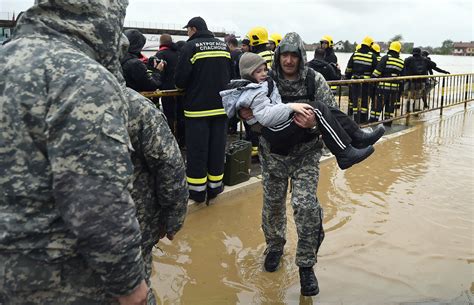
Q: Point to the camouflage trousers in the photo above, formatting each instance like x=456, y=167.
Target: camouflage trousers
x=27, y=281
x=302, y=167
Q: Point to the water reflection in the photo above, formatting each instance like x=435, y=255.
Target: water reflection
x=399, y=228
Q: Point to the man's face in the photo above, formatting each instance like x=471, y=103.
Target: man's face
x=272, y=45
x=191, y=31
x=324, y=44
x=289, y=63
x=245, y=48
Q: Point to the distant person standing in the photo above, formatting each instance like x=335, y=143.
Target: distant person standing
x=376, y=49
x=235, y=54
x=387, y=93
x=318, y=64
x=432, y=65
x=274, y=40
x=245, y=46
x=135, y=71
x=259, y=41
x=169, y=54
x=360, y=66
x=416, y=89
x=204, y=69
x=327, y=45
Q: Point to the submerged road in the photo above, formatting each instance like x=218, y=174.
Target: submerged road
x=399, y=230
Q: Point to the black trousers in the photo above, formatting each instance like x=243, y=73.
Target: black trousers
x=336, y=127
x=359, y=104
x=205, y=154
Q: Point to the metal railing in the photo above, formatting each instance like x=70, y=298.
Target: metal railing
x=409, y=95
x=414, y=95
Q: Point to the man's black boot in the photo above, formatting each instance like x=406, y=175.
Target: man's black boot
x=361, y=139
x=272, y=260
x=308, y=281
x=350, y=156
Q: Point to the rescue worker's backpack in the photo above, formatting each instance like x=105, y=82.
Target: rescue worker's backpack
x=309, y=83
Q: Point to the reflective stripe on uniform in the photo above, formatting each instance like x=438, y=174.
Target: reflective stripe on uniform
x=208, y=54
x=215, y=178
x=196, y=180
x=204, y=113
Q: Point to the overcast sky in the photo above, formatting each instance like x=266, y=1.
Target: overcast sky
x=424, y=22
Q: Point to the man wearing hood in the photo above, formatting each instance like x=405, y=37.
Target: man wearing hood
x=69, y=231
x=203, y=70
x=296, y=83
x=139, y=76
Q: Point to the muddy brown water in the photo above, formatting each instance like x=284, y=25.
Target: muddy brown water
x=399, y=228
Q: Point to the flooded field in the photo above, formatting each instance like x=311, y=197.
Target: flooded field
x=399, y=229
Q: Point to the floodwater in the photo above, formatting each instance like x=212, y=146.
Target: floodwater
x=399, y=228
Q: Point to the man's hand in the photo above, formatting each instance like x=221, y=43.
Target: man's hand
x=246, y=113
x=137, y=297
x=305, y=120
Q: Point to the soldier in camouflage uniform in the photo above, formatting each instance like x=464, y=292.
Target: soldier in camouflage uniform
x=68, y=231
x=300, y=166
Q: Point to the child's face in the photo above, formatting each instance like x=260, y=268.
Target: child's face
x=260, y=74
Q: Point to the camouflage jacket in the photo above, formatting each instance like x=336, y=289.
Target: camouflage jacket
x=292, y=42
x=160, y=189
x=65, y=165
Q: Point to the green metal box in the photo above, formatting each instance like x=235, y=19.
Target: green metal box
x=237, y=162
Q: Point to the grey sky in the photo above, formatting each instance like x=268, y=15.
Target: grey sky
x=424, y=22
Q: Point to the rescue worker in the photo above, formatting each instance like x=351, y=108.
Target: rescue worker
x=327, y=45
x=136, y=73
x=387, y=93
x=69, y=231
x=301, y=165
x=432, y=66
x=376, y=50
x=360, y=66
x=204, y=69
x=330, y=57
x=274, y=40
x=259, y=42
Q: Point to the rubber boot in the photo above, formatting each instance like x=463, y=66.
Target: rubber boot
x=308, y=282
x=272, y=260
x=350, y=156
x=362, y=138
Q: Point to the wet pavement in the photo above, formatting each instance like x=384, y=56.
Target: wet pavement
x=399, y=231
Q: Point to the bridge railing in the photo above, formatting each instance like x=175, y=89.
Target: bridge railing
x=413, y=95
x=376, y=100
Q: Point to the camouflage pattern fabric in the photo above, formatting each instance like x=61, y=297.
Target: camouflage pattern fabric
x=301, y=166
x=159, y=189
x=68, y=231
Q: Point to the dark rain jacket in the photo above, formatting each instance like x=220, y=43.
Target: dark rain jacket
x=135, y=71
x=264, y=51
x=169, y=53
x=65, y=158
x=330, y=56
x=203, y=70
x=361, y=64
x=416, y=65
x=328, y=71
x=390, y=65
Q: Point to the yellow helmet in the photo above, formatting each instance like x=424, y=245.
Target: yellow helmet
x=276, y=38
x=358, y=46
x=395, y=46
x=376, y=47
x=258, y=35
x=328, y=39
x=368, y=41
